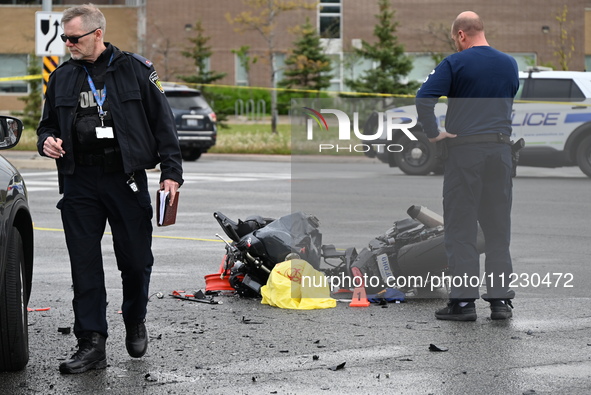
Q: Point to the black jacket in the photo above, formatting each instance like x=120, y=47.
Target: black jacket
x=143, y=119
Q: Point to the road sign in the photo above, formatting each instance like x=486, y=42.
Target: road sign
x=50, y=63
x=47, y=34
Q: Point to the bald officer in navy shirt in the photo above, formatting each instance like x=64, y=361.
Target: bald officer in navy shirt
x=480, y=83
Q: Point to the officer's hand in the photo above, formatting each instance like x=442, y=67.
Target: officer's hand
x=52, y=147
x=170, y=186
x=441, y=136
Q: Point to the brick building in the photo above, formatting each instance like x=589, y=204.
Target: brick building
x=159, y=29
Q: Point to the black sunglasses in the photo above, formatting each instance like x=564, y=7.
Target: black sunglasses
x=74, y=39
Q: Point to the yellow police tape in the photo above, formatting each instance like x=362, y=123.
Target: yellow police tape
x=154, y=236
x=39, y=76
x=22, y=78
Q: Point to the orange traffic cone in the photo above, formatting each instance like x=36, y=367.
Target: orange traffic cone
x=359, y=294
x=218, y=281
x=359, y=298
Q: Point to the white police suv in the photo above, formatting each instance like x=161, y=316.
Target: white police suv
x=552, y=113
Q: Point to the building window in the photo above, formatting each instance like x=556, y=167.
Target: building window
x=525, y=60
x=329, y=18
x=422, y=65
x=13, y=65
x=240, y=74
x=336, y=82
x=279, y=67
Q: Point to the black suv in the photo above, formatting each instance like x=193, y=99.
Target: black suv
x=16, y=255
x=194, y=118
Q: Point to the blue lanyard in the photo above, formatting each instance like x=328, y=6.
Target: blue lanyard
x=100, y=99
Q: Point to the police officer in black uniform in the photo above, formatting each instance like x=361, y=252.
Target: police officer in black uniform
x=105, y=121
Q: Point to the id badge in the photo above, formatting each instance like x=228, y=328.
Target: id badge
x=104, y=132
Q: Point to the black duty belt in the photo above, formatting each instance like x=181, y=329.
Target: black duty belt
x=479, y=138
x=110, y=158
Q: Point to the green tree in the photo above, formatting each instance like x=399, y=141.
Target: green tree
x=564, y=47
x=392, y=65
x=200, y=52
x=31, y=114
x=307, y=66
x=261, y=17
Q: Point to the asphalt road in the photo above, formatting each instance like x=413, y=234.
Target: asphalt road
x=244, y=347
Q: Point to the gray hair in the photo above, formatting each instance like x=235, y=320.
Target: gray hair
x=90, y=15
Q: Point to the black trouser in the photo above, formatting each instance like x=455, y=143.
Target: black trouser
x=91, y=197
x=477, y=188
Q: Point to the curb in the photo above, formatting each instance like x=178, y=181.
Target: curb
x=32, y=160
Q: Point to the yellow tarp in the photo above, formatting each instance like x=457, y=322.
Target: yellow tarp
x=297, y=285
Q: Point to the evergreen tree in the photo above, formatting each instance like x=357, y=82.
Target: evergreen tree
x=307, y=67
x=34, y=100
x=392, y=64
x=200, y=53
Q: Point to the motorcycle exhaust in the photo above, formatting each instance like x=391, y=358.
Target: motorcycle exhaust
x=425, y=216
x=429, y=256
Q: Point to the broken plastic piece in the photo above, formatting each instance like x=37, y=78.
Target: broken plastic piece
x=38, y=309
x=338, y=367
x=64, y=330
x=433, y=347
x=249, y=321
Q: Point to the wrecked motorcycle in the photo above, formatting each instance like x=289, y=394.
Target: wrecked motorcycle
x=259, y=243
x=404, y=257
x=407, y=256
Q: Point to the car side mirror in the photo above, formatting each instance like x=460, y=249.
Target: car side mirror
x=11, y=130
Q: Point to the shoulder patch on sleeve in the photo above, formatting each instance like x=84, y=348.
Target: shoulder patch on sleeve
x=141, y=59
x=156, y=81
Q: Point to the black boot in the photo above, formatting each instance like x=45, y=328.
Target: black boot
x=501, y=309
x=136, y=339
x=455, y=312
x=90, y=355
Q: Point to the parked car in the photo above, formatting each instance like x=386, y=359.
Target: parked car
x=196, y=122
x=552, y=113
x=16, y=255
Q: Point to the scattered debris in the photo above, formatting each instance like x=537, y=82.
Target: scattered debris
x=433, y=347
x=315, y=357
x=161, y=377
x=38, y=309
x=159, y=295
x=249, y=321
x=338, y=367
x=64, y=330
x=197, y=296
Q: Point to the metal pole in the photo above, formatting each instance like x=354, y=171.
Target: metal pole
x=49, y=62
